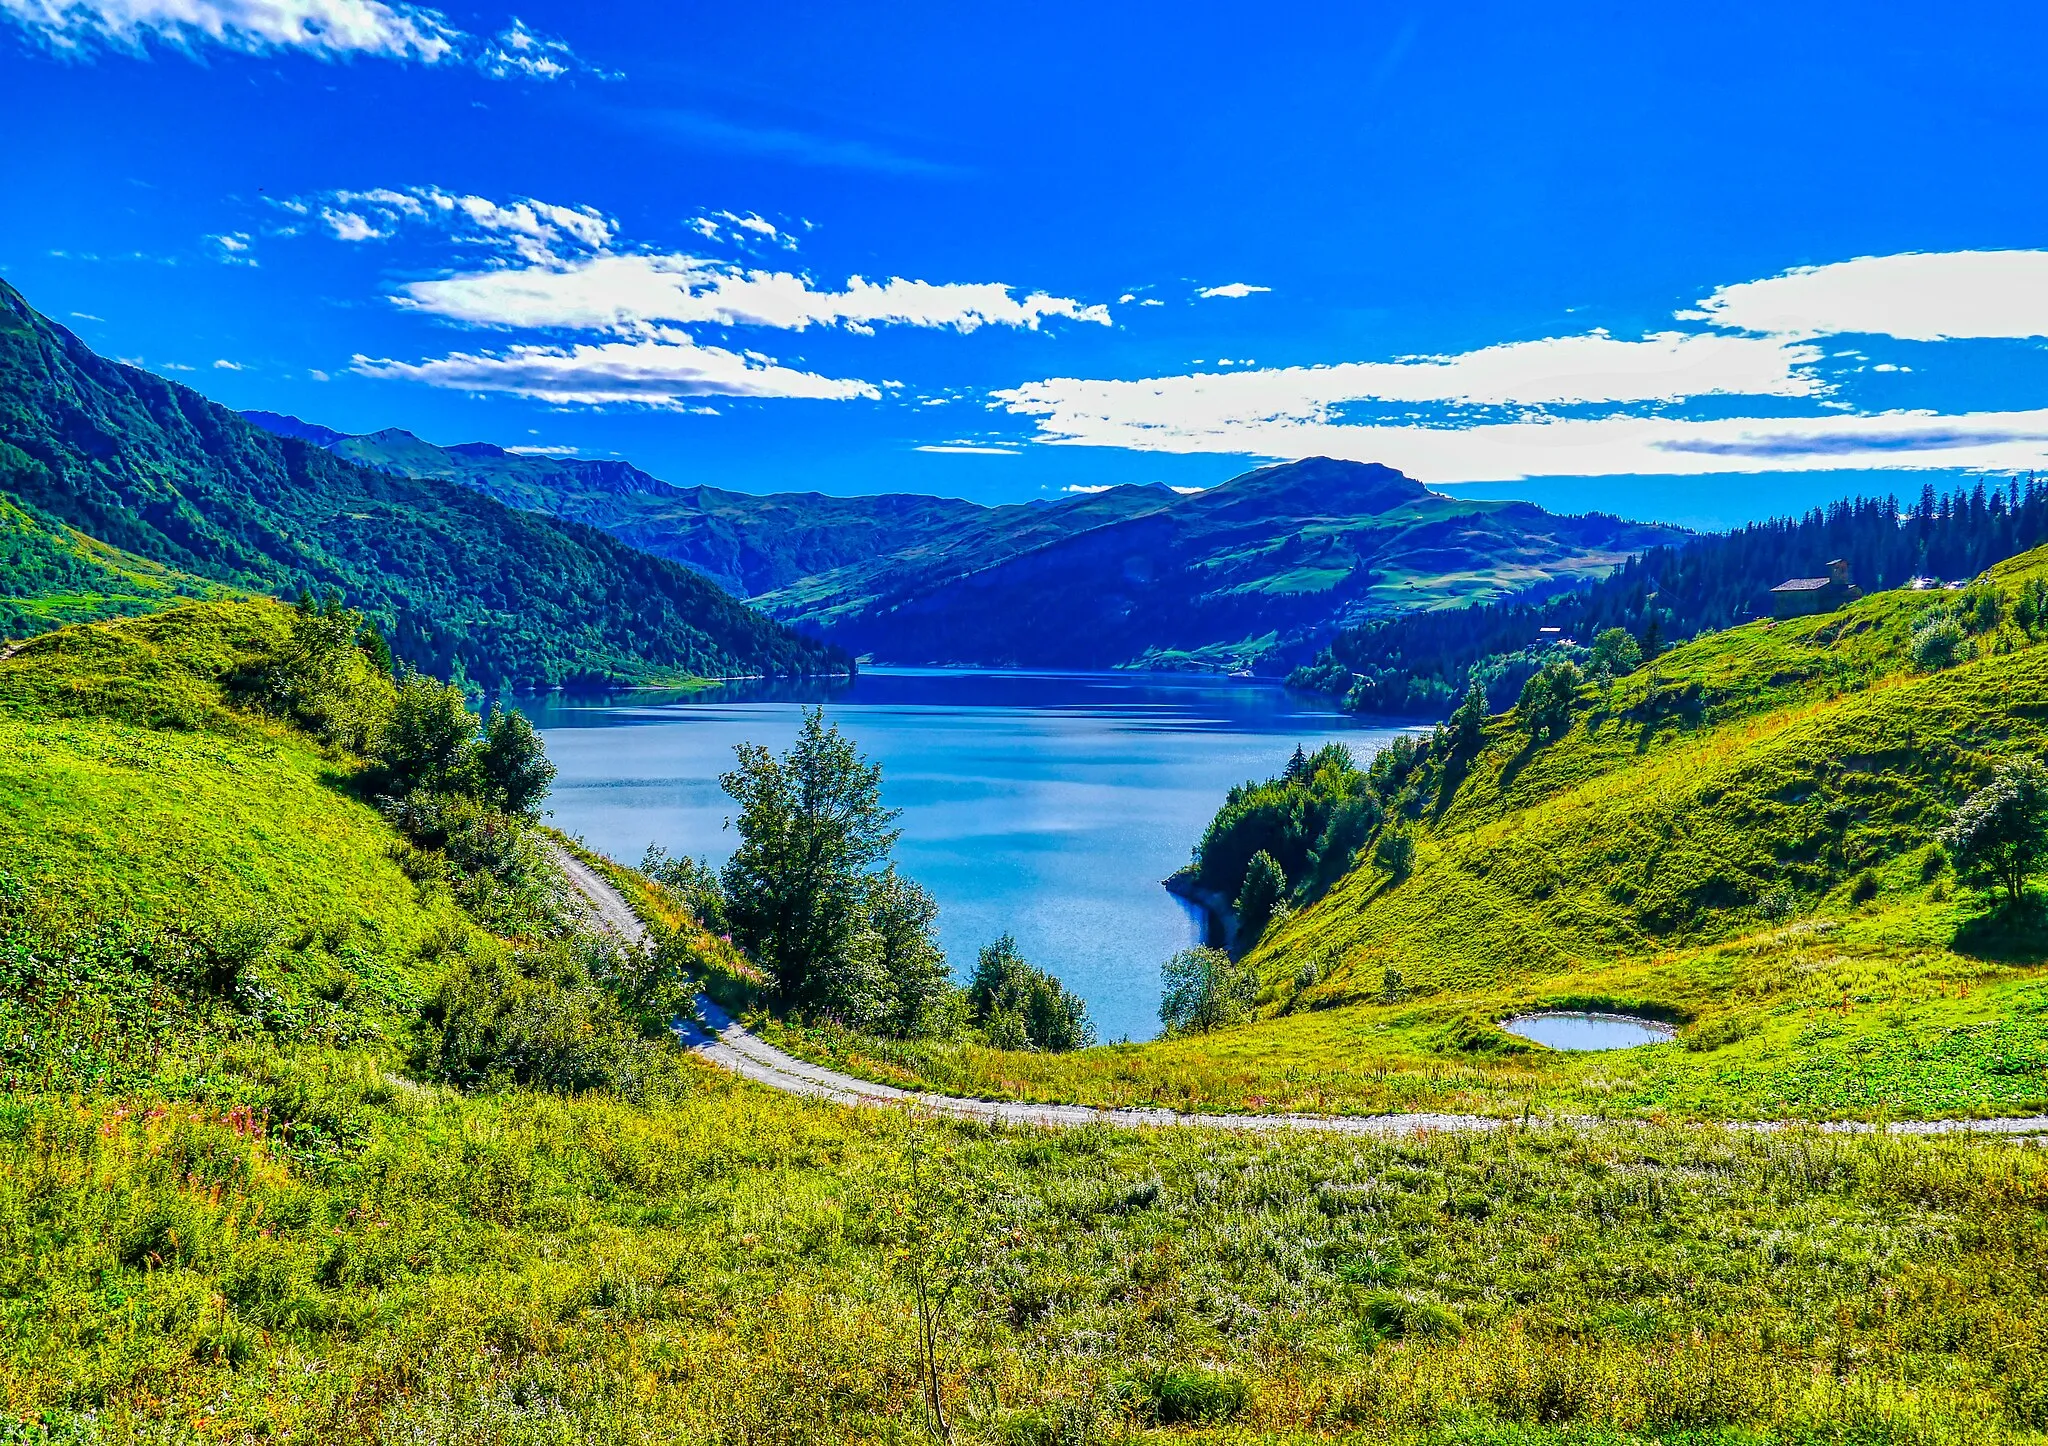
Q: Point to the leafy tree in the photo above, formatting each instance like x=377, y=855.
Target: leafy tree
x=1999, y=835
x=1394, y=850
x=1545, y=707
x=511, y=765
x=425, y=738
x=1265, y=885
x=908, y=990
x=1205, y=989
x=1351, y=824
x=1466, y=734
x=1017, y=1006
x=812, y=829
x=1616, y=652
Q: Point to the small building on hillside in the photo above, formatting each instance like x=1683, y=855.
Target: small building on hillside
x=1798, y=597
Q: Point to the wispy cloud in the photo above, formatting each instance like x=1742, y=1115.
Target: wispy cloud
x=534, y=231
x=972, y=449
x=1236, y=290
x=1573, y=370
x=325, y=29
x=662, y=369
x=1918, y=296
x=613, y=292
x=784, y=144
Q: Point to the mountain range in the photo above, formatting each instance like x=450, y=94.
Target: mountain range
x=93, y=451
x=1252, y=574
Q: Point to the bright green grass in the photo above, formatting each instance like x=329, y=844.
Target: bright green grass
x=237, y=1220
x=1689, y=851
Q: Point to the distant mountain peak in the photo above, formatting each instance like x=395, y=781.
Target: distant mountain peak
x=281, y=425
x=1319, y=485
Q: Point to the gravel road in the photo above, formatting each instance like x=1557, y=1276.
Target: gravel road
x=723, y=1041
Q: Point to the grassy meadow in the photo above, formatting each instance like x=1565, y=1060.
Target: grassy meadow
x=237, y=1202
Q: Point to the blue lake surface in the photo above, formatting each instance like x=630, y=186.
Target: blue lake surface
x=1048, y=806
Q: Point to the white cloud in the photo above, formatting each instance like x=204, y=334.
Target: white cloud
x=350, y=226
x=1086, y=491
x=659, y=369
x=615, y=292
x=1917, y=296
x=1187, y=491
x=534, y=231
x=1235, y=290
x=87, y=316
x=1151, y=301
x=975, y=449
x=224, y=365
x=1621, y=445
x=517, y=52
x=1593, y=368
x=326, y=29
x=533, y=450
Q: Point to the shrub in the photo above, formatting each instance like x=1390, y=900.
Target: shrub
x=693, y=882
x=1938, y=642
x=1864, y=889
x=529, y=1018
x=1205, y=989
x=1019, y=1007
x=1394, y=850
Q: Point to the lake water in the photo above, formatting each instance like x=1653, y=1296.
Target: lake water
x=1571, y=1029
x=1047, y=806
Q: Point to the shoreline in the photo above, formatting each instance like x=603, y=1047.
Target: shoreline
x=1219, y=918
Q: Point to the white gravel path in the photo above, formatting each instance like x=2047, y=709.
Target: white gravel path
x=723, y=1041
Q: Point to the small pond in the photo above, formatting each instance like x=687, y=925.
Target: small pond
x=1568, y=1030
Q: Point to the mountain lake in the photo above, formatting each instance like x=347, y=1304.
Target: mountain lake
x=1047, y=806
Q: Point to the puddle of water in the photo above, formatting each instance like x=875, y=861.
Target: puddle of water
x=1564, y=1030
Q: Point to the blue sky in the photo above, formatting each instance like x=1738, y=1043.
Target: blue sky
x=1675, y=262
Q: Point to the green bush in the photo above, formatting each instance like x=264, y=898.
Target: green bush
x=1019, y=1007
x=1205, y=989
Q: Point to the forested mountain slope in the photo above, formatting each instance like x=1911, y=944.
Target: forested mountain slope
x=1239, y=575
x=457, y=580
x=1254, y=572
x=747, y=544
x=1421, y=663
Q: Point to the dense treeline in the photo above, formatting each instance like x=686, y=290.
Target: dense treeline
x=461, y=584
x=1420, y=664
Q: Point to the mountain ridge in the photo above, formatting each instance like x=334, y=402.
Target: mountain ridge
x=460, y=582
x=1255, y=572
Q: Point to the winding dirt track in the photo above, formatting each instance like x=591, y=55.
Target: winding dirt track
x=725, y=1042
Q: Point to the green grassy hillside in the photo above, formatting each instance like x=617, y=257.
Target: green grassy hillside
x=1738, y=838
x=240, y=1201
x=457, y=580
